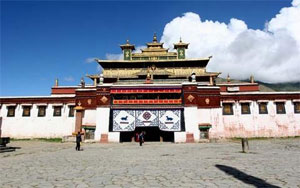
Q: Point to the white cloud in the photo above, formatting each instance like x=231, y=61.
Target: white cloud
x=271, y=55
x=114, y=56
x=138, y=49
x=69, y=79
x=90, y=60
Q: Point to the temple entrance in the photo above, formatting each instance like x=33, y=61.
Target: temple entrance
x=153, y=134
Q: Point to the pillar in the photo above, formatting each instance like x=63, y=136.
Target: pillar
x=78, y=118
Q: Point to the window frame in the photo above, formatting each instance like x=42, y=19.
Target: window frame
x=8, y=110
x=249, y=109
x=231, y=108
x=71, y=113
x=295, y=107
x=259, y=108
x=24, y=110
x=39, y=110
x=277, y=104
x=54, y=111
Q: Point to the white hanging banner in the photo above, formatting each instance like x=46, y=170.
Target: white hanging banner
x=169, y=120
x=147, y=118
x=127, y=120
x=123, y=120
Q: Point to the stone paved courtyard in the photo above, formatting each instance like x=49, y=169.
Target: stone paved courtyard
x=270, y=163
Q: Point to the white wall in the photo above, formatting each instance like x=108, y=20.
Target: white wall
x=191, y=121
x=242, y=125
x=89, y=117
x=179, y=137
x=255, y=124
x=102, y=122
x=48, y=126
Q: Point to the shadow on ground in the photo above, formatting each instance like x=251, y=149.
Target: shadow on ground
x=8, y=149
x=248, y=179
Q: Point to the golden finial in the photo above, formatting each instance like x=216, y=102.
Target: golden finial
x=56, y=82
x=180, y=41
x=148, y=74
x=127, y=41
x=228, y=78
x=154, y=37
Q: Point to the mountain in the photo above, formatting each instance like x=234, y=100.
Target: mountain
x=294, y=86
x=267, y=87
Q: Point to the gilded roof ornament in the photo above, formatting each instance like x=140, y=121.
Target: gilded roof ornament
x=154, y=38
x=127, y=45
x=56, y=82
x=181, y=44
x=228, y=78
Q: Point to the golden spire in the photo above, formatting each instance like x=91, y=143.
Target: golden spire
x=228, y=78
x=56, y=82
x=154, y=38
x=127, y=41
x=180, y=41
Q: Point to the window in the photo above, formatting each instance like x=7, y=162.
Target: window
x=26, y=111
x=57, y=111
x=297, y=107
x=280, y=108
x=71, y=111
x=11, y=111
x=245, y=108
x=227, y=109
x=262, y=108
x=41, y=111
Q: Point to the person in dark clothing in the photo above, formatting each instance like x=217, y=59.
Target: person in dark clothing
x=78, y=140
x=141, y=138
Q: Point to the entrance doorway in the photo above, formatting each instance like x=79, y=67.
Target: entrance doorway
x=152, y=134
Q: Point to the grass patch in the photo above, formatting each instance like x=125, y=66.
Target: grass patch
x=38, y=139
x=49, y=139
x=20, y=139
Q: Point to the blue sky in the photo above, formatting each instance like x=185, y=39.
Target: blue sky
x=41, y=41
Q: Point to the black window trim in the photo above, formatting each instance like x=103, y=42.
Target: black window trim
x=26, y=106
x=276, y=104
x=249, y=106
x=230, y=103
x=259, y=110
x=70, y=106
x=38, y=107
x=296, y=103
x=9, y=106
x=57, y=106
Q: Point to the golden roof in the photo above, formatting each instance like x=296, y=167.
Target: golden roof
x=127, y=45
x=181, y=44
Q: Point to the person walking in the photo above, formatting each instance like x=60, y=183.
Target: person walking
x=141, y=138
x=78, y=140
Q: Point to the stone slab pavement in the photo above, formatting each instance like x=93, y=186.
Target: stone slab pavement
x=270, y=163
